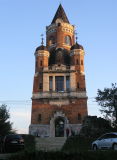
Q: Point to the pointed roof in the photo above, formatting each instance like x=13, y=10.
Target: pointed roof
x=60, y=13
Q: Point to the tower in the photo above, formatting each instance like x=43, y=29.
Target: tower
x=59, y=99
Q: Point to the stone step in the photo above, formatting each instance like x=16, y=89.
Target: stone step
x=49, y=143
x=5, y=156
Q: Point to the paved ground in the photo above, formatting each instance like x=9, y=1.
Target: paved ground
x=50, y=143
x=5, y=156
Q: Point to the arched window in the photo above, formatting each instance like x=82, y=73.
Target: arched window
x=51, y=40
x=41, y=63
x=77, y=61
x=68, y=40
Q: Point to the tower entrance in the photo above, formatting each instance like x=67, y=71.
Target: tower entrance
x=59, y=127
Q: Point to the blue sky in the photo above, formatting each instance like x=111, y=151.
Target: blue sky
x=21, y=24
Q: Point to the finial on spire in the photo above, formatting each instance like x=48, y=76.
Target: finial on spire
x=42, y=39
x=76, y=36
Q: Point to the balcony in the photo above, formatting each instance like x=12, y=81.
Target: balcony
x=59, y=95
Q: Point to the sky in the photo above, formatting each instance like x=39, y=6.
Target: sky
x=21, y=24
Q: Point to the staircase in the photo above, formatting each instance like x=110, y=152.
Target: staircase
x=49, y=143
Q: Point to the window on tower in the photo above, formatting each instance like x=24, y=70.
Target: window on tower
x=67, y=83
x=77, y=61
x=39, y=117
x=40, y=86
x=41, y=63
x=68, y=40
x=59, y=83
x=81, y=62
x=51, y=40
x=50, y=83
x=78, y=85
x=79, y=116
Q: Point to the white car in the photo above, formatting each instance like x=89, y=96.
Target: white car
x=106, y=141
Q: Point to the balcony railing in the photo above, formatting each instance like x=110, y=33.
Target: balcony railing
x=59, y=95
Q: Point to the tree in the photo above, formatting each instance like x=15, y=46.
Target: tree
x=94, y=127
x=5, y=124
x=107, y=100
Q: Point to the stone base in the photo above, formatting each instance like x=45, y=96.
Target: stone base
x=45, y=130
x=39, y=130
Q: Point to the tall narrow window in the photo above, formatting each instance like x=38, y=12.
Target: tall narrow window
x=59, y=83
x=50, y=83
x=79, y=116
x=81, y=62
x=41, y=63
x=67, y=83
x=68, y=40
x=77, y=61
x=39, y=117
x=51, y=40
x=78, y=85
x=40, y=86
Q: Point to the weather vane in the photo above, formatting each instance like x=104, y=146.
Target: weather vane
x=42, y=39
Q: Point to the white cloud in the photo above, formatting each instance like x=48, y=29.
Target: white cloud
x=21, y=120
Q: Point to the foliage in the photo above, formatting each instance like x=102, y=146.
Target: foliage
x=87, y=155
x=29, y=142
x=75, y=148
x=5, y=124
x=94, y=126
x=107, y=100
x=77, y=144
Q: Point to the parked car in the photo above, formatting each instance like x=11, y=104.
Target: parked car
x=12, y=142
x=106, y=141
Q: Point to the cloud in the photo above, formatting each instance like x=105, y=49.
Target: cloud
x=21, y=120
x=20, y=114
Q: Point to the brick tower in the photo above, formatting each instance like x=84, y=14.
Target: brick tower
x=59, y=100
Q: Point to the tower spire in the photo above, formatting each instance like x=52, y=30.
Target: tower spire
x=60, y=14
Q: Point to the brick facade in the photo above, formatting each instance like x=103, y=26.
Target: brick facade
x=59, y=91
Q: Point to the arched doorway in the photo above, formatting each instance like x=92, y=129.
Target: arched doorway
x=59, y=127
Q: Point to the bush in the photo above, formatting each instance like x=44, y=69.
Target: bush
x=77, y=143
x=89, y=155
x=29, y=142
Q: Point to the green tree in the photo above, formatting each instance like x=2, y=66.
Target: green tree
x=108, y=102
x=94, y=126
x=5, y=124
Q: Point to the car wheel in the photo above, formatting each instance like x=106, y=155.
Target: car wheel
x=95, y=147
x=115, y=147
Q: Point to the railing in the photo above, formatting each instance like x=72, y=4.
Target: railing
x=62, y=94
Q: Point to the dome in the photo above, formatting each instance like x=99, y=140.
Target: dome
x=77, y=46
x=41, y=48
